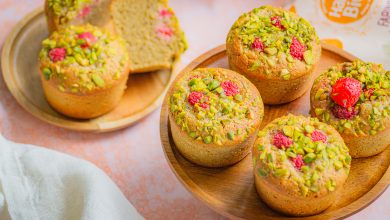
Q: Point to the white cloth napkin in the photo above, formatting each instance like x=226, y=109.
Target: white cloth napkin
x=37, y=183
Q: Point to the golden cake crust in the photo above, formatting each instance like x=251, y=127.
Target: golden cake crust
x=222, y=132
x=83, y=71
x=85, y=106
x=273, y=65
x=306, y=187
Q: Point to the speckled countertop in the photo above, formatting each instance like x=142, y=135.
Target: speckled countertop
x=133, y=157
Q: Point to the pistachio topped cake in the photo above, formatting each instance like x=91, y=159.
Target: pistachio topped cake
x=214, y=115
x=299, y=165
x=62, y=13
x=354, y=97
x=150, y=28
x=277, y=50
x=83, y=70
x=152, y=33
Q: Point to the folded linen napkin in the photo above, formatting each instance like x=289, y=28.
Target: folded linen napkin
x=37, y=183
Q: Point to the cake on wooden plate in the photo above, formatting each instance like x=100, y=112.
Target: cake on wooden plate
x=300, y=164
x=276, y=50
x=84, y=71
x=214, y=115
x=354, y=97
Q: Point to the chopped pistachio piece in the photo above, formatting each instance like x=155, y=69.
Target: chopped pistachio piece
x=207, y=139
x=47, y=73
x=308, y=57
x=98, y=80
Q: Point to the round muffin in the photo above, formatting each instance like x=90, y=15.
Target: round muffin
x=276, y=50
x=61, y=13
x=354, y=97
x=83, y=71
x=300, y=164
x=214, y=116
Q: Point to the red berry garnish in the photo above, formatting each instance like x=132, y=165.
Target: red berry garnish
x=275, y=21
x=368, y=93
x=165, y=13
x=298, y=161
x=258, y=44
x=88, y=37
x=280, y=140
x=344, y=113
x=230, y=88
x=165, y=32
x=346, y=92
x=318, y=135
x=57, y=54
x=297, y=49
x=204, y=105
x=196, y=97
x=84, y=12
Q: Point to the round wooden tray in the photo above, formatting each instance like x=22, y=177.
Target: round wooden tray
x=19, y=61
x=231, y=191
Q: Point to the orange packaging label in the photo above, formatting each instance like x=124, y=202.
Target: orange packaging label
x=345, y=11
x=361, y=27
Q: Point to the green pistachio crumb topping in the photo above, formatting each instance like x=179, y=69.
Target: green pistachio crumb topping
x=216, y=116
x=67, y=9
x=85, y=65
x=260, y=23
x=373, y=106
x=321, y=159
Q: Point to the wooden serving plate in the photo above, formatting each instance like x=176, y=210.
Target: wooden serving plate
x=231, y=190
x=19, y=61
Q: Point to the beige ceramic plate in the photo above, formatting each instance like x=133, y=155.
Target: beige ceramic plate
x=20, y=71
x=231, y=190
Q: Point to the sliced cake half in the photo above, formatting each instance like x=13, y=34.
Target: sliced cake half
x=152, y=33
x=63, y=13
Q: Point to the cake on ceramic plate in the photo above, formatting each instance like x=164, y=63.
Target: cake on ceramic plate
x=84, y=71
x=62, y=13
x=276, y=50
x=354, y=97
x=214, y=116
x=152, y=33
x=300, y=164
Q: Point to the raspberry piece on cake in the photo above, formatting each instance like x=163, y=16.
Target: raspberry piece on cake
x=297, y=49
x=318, y=135
x=230, y=88
x=275, y=20
x=84, y=12
x=298, y=161
x=88, y=37
x=280, y=140
x=258, y=45
x=166, y=13
x=204, y=105
x=196, y=97
x=344, y=113
x=57, y=54
x=346, y=92
x=165, y=32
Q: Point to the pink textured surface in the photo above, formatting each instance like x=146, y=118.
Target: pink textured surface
x=133, y=157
